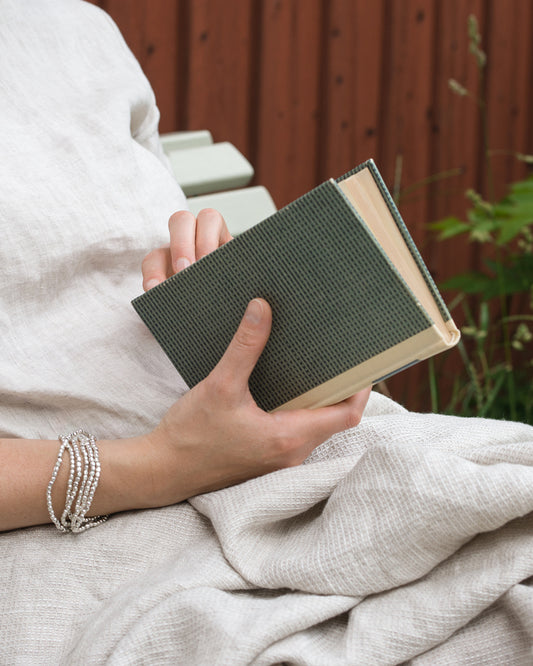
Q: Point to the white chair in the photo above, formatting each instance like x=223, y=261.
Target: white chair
x=215, y=175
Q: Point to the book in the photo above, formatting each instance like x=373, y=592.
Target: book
x=352, y=300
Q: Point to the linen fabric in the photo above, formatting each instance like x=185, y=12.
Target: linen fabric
x=85, y=194
x=405, y=540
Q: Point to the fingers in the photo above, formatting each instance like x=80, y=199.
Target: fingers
x=211, y=232
x=192, y=238
x=156, y=267
x=315, y=426
x=182, y=228
x=234, y=368
x=344, y=415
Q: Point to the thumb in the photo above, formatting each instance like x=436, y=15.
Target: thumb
x=247, y=344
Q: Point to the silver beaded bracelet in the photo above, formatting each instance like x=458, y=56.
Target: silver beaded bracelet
x=82, y=483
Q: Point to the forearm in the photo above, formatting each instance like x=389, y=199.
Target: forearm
x=26, y=470
x=212, y=437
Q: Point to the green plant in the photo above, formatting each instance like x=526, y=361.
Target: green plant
x=496, y=379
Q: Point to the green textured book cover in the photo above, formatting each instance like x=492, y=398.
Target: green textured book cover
x=337, y=299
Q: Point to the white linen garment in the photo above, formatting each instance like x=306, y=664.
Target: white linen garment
x=84, y=195
x=408, y=539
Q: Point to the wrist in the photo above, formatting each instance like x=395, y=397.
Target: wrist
x=164, y=474
x=126, y=480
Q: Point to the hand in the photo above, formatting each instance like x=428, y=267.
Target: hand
x=216, y=435
x=213, y=437
x=190, y=239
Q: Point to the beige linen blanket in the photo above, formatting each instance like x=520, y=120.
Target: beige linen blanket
x=407, y=539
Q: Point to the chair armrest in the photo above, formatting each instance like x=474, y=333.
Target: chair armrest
x=180, y=140
x=210, y=168
x=240, y=208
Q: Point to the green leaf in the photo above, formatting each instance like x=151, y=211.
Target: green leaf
x=479, y=216
x=514, y=278
x=514, y=225
x=449, y=227
x=520, y=273
x=470, y=283
x=522, y=186
x=515, y=212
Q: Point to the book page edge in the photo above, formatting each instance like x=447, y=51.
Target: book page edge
x=425, y=344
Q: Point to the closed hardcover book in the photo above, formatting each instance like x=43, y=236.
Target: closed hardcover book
x=352, y=300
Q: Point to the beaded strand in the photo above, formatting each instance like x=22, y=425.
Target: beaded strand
x=82, y=482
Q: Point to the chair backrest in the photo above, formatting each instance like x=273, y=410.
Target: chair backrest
x=215, y=175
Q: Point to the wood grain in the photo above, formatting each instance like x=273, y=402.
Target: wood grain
x=352, y=86
x=307, y=89
x=288, y=97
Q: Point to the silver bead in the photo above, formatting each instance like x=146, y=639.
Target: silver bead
x=82, y=483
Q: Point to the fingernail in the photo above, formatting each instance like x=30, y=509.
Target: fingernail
x=181, y=263
x=151, y=283
x=254, y=312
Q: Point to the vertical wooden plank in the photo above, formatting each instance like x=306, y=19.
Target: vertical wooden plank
x=160, y=58
x=352, y=86
x=528, y=64
x=219, y=69
x=407, y=138
x=130, y=21
x=456, y=145
x=456, y=131
x=151, y=29
x=287, y=114
x=308, y=88
x=508, y=94
x=508, y=88
x=406, y=105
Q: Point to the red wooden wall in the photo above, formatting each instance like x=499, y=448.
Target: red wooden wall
x=307, y=89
